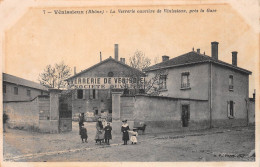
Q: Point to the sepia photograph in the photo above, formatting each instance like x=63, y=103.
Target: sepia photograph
x=129, y=82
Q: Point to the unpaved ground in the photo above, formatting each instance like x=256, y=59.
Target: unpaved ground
x=204, y=145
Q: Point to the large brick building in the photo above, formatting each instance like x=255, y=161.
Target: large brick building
x=93, y=87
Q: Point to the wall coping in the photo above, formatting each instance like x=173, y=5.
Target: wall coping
x=171, y=98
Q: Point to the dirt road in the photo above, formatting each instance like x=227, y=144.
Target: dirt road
x=205, y=145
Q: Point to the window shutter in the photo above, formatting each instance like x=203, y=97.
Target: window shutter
x=91, y=94
x=109, y=93
x=228, y=109
x=234, y=110
x=87, y=94
x=84, y=94
x=76, y=94
x=96, y=95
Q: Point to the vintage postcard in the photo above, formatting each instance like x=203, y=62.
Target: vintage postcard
x=127, y=83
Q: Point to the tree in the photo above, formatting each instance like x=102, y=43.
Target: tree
x=153, y=83
x=156, y=60
x=54, y=76
x=139, y=60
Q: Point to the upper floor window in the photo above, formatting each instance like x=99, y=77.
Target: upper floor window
x=41, y=92
x=4, y=88
x=231, y=83
x=162, y=82
x=28, y=91
x=185, y=80
x=16, y=90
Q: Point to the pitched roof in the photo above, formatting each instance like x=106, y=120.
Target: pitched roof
x=20, y=81
x=192, y=58
x=104, y=61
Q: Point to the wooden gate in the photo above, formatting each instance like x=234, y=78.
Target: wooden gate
x=65, y=112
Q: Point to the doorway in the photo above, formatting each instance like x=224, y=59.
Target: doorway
x=185, y=115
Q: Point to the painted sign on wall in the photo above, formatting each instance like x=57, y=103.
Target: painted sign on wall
x=107, y=83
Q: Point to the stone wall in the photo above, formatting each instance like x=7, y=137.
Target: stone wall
x=251, y=113
x=163, y=114
x=22, y=115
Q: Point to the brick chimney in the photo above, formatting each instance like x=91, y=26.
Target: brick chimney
x=122, y=60
x=100, y=57
x=198, y=50
x=75, y=72
x=214, y=50
x=165, y=58
x=116, y=52
x=234, y=58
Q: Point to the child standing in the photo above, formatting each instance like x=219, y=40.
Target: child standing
x=125, y=129
x=134, y=134
x=108, y=135
x=83, y=134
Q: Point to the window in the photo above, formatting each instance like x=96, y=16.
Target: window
x=141, y=91
x=16, y=90
x=80, y=94
x=231, y=86
x=93, y=94
x=231, y=109
x=110, y=74
x=4, y=88
x=162, y=82
x=185, y=80
x=41, y=92
x=96, y=111
x=28, y=92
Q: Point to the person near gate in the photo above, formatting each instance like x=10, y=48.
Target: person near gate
x=108, y=135
x=5, y=119
x=83, y=134
x=134, y=135
x=124, y=130
x=81, y=121
x=99, y=131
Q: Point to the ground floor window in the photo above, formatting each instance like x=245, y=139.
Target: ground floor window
x=96, y=111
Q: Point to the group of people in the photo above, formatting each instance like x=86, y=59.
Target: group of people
x=103, y=132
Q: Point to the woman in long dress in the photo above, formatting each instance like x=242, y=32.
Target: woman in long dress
x=100, y=131
x=124, y=130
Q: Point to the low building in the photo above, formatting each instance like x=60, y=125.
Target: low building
x=19, y=89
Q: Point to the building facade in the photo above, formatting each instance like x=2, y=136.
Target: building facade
x=196, y=76
x=19, y=89
x=92, y=88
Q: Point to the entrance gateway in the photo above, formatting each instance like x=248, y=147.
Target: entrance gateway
x=65, y=111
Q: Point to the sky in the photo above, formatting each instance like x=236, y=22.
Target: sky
x=37, y=39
